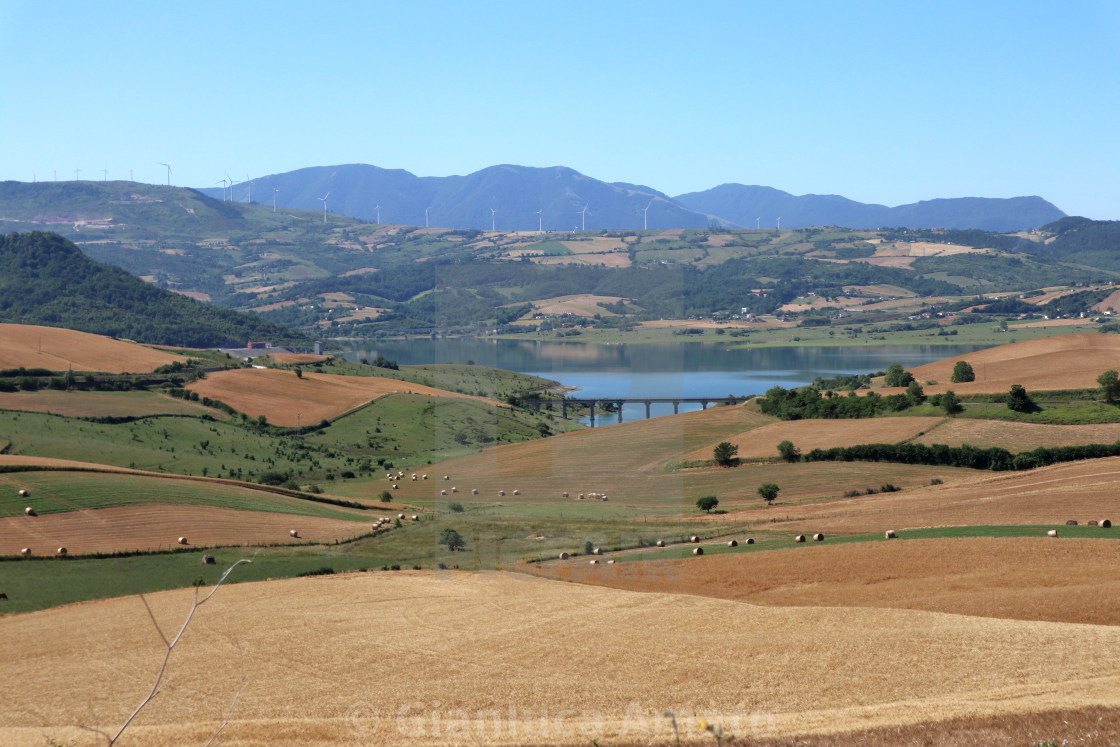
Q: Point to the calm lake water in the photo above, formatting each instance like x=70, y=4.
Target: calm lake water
x=684, y=369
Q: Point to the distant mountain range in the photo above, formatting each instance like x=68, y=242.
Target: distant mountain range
x=522, y=198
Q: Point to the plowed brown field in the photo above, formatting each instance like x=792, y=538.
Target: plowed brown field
x=418, y=658
x=286, y=399
x=819, y=434
x=59, y=349
x=153, y=526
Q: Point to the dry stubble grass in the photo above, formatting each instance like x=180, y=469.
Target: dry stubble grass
x=455, y=653
x=59, y=349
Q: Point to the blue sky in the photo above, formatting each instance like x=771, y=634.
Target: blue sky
x=882, y=102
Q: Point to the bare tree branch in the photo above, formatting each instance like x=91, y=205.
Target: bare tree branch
x=171, y=647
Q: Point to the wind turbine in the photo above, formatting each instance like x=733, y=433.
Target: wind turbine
x=104, y=175
x=758, y=222
x=378, y=209
x=275, y=189
x=426, y=216
x=222, y=181
x=583, y=216
x=250, y=183
x=493, y=224
x=779, y=223
x=77, y=174
x=645, y=216
x=168, y=166
x=324, y=200
x=540, y=220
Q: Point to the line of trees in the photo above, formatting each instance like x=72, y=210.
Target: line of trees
x=993, y=458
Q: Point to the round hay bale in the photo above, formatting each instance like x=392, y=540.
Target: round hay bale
x=454, y=489
x=564, y=494
x=208, y=559
x=1106, y=523
x=414, y=478
x=661, y=543
x=182, y=540
x=564, y=556
x=604, y=496
x=799, y=538
x=474, y=491
x=517, y=492
x=1071, y=522
x=596, y=551
x=733, y=543
x=446, y=477
x=394, y=486
x=1052, y=533
x=400, y=516
x=698, y=551
x=423, y=477
x=293, y=532
x=25, y=552
x=415, y=517
x=61, y=552
x=694, y=538
x=443, y=492
x=1093, y=523
x=22, y=493
x=818, y=537
x=594, y=562
x=29, y=511
x=889, y=534
x=610, y=562
x=501, y=492
x=750, y=540
x=581, y=496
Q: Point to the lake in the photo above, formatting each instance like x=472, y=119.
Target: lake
x=684, y=369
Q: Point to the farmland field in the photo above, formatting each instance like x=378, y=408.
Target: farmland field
x=102, y=404
x=58, y=349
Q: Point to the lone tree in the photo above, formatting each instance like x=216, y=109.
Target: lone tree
x=707, y=503
x=725, y=452
x=962, y=372
x=452, y=539
x=950, y=402
x=915, y=392
x=897, y=375
x=768, y=491
x=1110, y=386
x=789, y=452
x=1019, y=401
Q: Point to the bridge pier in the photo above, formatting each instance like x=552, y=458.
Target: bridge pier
x=564, y=410
x=619, y=403
x=704, y=404
x=647, y=409
x=676, y=406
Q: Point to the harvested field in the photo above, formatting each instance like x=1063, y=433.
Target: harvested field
x=59, y=349
x=102, y=404
x=286, y=399
x=310, y=646
x=612, y=259
x=763, y=439
x=595, y=245
x=584, y=304
x=1111, y=301
x=297, y=358
x=1007, y=578
x=1048, y=495
x=1061, y=362
x=155, y=527
x=1016, y=437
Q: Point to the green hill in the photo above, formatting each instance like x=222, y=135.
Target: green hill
x=45, y=279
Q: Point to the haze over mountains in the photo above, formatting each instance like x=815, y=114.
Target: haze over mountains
x=515, y=194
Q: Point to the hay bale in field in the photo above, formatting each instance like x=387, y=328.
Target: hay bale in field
x=661, y=543
x=394, y=486
x=564, y=556
x=1052, y=533
x=610, y=562
x=733, y=543
x=1105, y=523
x=1071, y=522
x=750, y=540
x=581, y=496
x=25, y=552
x=22, y=493
x=502, y=493
x=694, y=538
x=604, y=496
x=443, y=492
x=698, y=551
x=414, y=478
x=594, y=562
x=564, y=494
x=799, y=538
x=293, y=533
x=446, y=477
x=818, y=537
x=889, y=534
x=208, y=559
x=29, y=511
x=182, y=540
x=517, y=492
x=1093, y=523
x=596, y=551
x=3, y=597
x=415, y=517
x=61, y=552
x=454, y=489
x=474, y=491
x=400, y=516
x=423, y=477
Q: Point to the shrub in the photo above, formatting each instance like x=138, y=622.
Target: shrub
x=386, y=496
x=456, y=507
x=789, y=452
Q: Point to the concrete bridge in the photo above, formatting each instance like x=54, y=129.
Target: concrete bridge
x=592, y=403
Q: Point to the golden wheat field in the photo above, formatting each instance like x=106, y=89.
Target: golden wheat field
x=286, y=399
x=453, y=658
x=60, y=349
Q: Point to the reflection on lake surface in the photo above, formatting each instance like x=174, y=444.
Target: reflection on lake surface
x=685, y=369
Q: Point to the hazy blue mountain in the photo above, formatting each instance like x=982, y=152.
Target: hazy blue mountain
x=515, y=192
x=753, y=205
